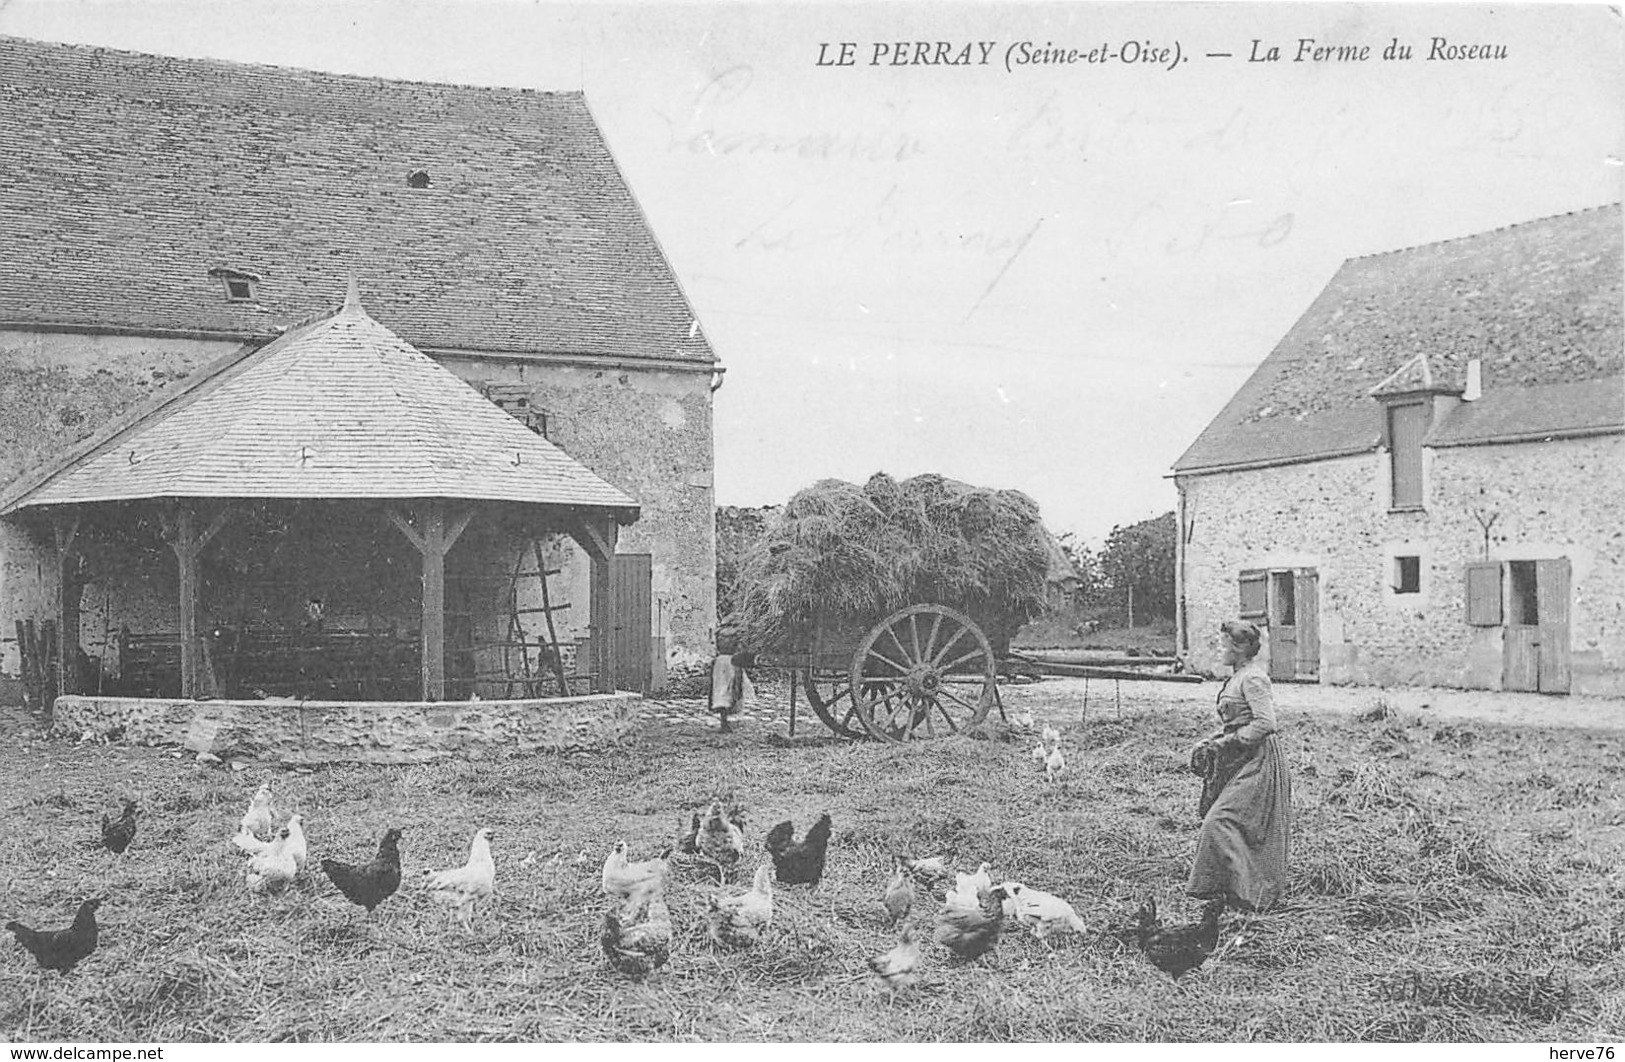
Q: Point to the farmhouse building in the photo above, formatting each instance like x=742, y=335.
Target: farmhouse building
x=1424, y=482
x=167, y=219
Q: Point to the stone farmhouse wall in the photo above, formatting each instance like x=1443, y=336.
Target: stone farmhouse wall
x=1562, y=498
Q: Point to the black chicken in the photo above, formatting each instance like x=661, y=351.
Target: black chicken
x=1176, y=950
x=372, y=883
x=60, y=949
x=799, y=862
x=118, y=833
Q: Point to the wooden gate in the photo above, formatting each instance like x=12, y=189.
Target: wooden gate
x=631, y=597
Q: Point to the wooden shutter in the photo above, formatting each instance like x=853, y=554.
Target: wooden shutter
x=1405, y=427
x=1484, y=594
x=1552, y=592
x=1308, y=609
x=1254, y=590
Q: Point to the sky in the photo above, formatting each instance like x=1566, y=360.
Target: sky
x=1047, y=276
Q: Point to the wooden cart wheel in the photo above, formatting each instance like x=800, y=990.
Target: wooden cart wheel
x=926, y=671
x=829, y=693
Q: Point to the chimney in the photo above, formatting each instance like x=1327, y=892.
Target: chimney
x=1475, y=381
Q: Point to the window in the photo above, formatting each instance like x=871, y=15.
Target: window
x=417, y=179
x=240, y=286
x=1407, y=575
x=515, y=400
x=1406, y=425
x=1523, y=601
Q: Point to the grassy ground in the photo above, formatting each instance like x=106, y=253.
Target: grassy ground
x=1451, y=882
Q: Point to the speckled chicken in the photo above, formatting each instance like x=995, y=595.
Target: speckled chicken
x=720, y=839
x=738, y=921
x=118, y=833
x=899, y=897
x=638, y=948
x=61, y=949
x=972, y=933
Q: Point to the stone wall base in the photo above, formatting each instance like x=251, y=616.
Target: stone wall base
x=311, y=732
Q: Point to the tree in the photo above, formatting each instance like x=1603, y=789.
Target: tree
x=1087, y=564
x=1141, y=556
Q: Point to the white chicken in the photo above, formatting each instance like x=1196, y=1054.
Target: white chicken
x=1051, y=737
x=258, y=821
x=296, y=840
x=272, y=870
x=461, y=888
x=248, y=843
x=967, y=888
x=1046, y=913
x=738, y=921
x=1055, y=764
x=1040, y=753
x=1024, y=719
x=622, y=878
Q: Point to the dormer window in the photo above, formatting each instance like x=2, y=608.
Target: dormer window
x=417, y=179
x=240, y=286
x=1409, y=399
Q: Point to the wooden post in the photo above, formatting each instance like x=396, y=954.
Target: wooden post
x=597, y=534
x=433, y=536
x=181, y=530
x=66, y=527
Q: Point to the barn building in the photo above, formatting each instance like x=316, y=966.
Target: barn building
x=1424, y=482
x=168, y=222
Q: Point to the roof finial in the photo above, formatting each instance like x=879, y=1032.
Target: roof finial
x=352, y=296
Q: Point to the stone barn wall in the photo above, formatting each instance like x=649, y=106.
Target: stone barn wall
x=1551, y=499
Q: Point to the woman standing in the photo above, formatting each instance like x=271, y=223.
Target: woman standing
x=1241, y=852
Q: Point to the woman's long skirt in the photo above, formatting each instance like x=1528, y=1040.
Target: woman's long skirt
x=1241, y=852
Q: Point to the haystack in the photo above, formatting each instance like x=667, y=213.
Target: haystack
x=840, y=556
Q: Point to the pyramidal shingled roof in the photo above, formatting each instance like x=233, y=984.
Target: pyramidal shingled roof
x=340, y=407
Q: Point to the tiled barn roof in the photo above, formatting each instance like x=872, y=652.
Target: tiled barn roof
x=1538, y=303
x=337, y=408
x=131, y=184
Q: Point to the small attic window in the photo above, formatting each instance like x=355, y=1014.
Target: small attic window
x=240, y=286
x=417, y=179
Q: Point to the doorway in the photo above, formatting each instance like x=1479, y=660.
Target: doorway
x=1286, y=601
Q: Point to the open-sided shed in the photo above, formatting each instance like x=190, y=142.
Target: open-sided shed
x=337, y=418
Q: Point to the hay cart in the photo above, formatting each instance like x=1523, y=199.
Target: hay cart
x=923, y=671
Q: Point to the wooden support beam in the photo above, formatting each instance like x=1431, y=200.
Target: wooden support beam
x=433, y=535
x=597, y=535
x=432, y=523
x=187, y=539
x=70, y=588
